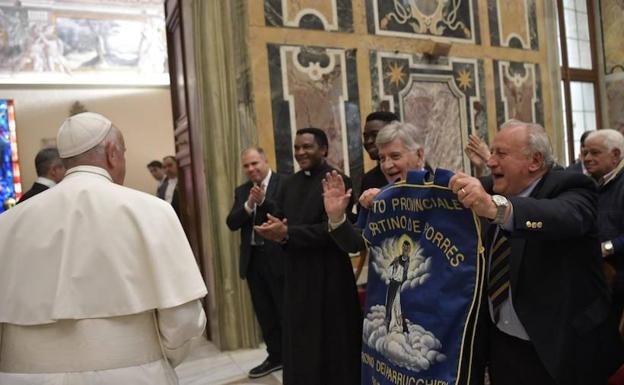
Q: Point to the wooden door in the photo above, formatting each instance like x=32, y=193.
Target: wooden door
x=191, y=180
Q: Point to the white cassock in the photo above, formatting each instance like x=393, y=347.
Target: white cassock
x=98, y=285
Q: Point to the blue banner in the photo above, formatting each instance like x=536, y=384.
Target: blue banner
x=426, y=268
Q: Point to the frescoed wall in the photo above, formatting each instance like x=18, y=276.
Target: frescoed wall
x=451, y=67
x=611, y=12
x=82, y=43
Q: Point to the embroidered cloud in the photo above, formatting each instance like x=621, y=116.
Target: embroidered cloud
x=417, y=350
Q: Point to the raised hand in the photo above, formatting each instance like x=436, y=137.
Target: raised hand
x=257, y=192
x=478, y=153
x=366, y=199
x=256, y=196
x=335, y=198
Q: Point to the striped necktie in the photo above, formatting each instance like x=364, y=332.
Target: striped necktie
x=498, y=277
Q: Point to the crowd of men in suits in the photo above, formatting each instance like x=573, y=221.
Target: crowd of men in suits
x=563, y=288
x=166, y=174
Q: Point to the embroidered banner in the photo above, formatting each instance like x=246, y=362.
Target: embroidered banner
x=426, y=269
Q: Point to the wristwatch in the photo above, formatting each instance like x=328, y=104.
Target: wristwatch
x=501, y=204
x=607, y=247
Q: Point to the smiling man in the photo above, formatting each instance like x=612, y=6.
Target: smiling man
x=322, y=319
x=604, y=161
x=375, y=121
x=400, y=150
x=261, y=263
x=547, y=300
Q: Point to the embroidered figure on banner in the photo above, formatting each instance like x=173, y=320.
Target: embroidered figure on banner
x=399, y=262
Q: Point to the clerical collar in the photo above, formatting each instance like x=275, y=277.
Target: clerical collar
x=316, y=169
x=84, y=169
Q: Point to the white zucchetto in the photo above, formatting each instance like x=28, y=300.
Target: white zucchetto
x=81, y=132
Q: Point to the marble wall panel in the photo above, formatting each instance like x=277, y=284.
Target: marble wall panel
x=445, y=98
x=328, y=15
x=612, y=32
x=518, y=91
x=316, y=87
x=455, y=20
x=513, y=23
x=615, y=99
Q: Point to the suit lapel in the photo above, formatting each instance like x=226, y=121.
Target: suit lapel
x=518, y=244
x=272, y=185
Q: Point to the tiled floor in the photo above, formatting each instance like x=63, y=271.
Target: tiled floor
x=206, y=365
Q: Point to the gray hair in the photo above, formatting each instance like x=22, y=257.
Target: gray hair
x=538, y=141
x=411, y=137
x=96, y=153
x=612, y=139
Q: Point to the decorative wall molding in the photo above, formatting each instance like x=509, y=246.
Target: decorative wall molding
x=444, y=97
x=452, y=20
x=518, y=92
x=316, y=87
x=513, y=23
x=328, y=15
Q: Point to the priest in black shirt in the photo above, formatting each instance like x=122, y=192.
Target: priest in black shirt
x=322, y=320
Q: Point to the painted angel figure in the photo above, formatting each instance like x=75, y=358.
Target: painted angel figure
x=405, y=271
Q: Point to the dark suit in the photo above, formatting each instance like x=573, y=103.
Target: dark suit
x=175, y=199
x=576, y=167
x=374, y=178
x=558, y=290
x=262, y=266
x=34, y=190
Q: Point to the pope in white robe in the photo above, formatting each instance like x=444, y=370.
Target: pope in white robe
x=98, y=284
